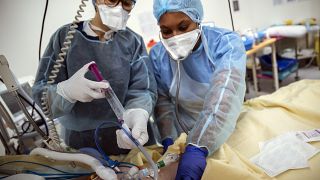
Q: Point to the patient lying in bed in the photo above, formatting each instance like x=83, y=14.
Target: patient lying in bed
x=291, y=108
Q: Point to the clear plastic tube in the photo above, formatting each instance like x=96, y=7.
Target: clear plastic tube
x=119, y=110
x=114, y=103
x=110, y=95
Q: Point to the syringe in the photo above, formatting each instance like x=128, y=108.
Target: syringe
x=119, y=110
x=110, y=95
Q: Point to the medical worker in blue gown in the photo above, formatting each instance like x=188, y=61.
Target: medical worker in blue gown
x=76, y=97
x=207, y=65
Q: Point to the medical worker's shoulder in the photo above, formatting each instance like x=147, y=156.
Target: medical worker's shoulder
x=157, y=56
x=130, y=35
x=61, y=32
x=215, y=35
x=157, y=52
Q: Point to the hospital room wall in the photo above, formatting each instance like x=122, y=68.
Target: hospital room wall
x=261, y=14
x=21, y=22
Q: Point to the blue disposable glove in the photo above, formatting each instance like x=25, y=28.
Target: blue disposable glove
x=192, y=163
x=166, y=143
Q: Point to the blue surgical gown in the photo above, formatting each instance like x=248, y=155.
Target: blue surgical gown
x=122, y=60
x=212, y=88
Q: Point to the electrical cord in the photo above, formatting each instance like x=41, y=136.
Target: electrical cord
x=39, y=164
x=57, y=174
x=64, y=174
x=42, y=27
x=32, y=104
x=26, y=129
x=27, y=122
x=112, y=164
x=126, y=163
x=231, y=15
x=45, y=101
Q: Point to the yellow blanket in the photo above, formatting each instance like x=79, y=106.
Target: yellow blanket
x=291, y=108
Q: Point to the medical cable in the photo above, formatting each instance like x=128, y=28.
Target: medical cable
x=119, y=110
x=134, y=170
x=112, y=164
x=34, y=107
x=231, y=15
x=25, y=111
x=57, y=174
x=42, y=27
x=35, y=163
x=126, y=163
x=45, y=101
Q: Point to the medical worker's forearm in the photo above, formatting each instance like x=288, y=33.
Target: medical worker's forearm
x=225, y=96
x=215, y=127
x=165, y=116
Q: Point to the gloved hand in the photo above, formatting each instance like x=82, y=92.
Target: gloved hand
x=136, y=120
x=192, y=163
x=166, y=143
x=78, y=88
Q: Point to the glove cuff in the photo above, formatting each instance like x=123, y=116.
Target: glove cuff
x=135, y=113
x=194, y=149
x=167, y=142
x=61, y=91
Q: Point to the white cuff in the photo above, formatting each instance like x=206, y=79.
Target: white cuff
x=61, y=92
x=132, y=112
x=199, y=146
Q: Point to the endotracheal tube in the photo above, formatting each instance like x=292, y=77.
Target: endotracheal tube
x=135, y=173
x=119, y=110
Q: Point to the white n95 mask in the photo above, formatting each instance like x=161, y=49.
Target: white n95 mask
x=179, y=47
x=114, y=17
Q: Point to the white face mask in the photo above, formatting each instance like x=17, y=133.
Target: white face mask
x=180, y=46
x=114, y=17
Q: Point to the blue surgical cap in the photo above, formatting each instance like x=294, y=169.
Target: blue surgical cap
x=192, y=8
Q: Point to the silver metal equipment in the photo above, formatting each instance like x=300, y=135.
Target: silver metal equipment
x=15, y=90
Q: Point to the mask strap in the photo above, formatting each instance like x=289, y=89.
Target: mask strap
x=96, y=28
x=107, y=34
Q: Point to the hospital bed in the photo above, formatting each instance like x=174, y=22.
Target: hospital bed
x=291, y=108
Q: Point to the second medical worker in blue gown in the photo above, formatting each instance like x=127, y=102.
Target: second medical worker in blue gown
x=210, y=62
x=76, y=97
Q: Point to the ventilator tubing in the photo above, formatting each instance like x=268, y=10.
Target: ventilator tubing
x=102, y=172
